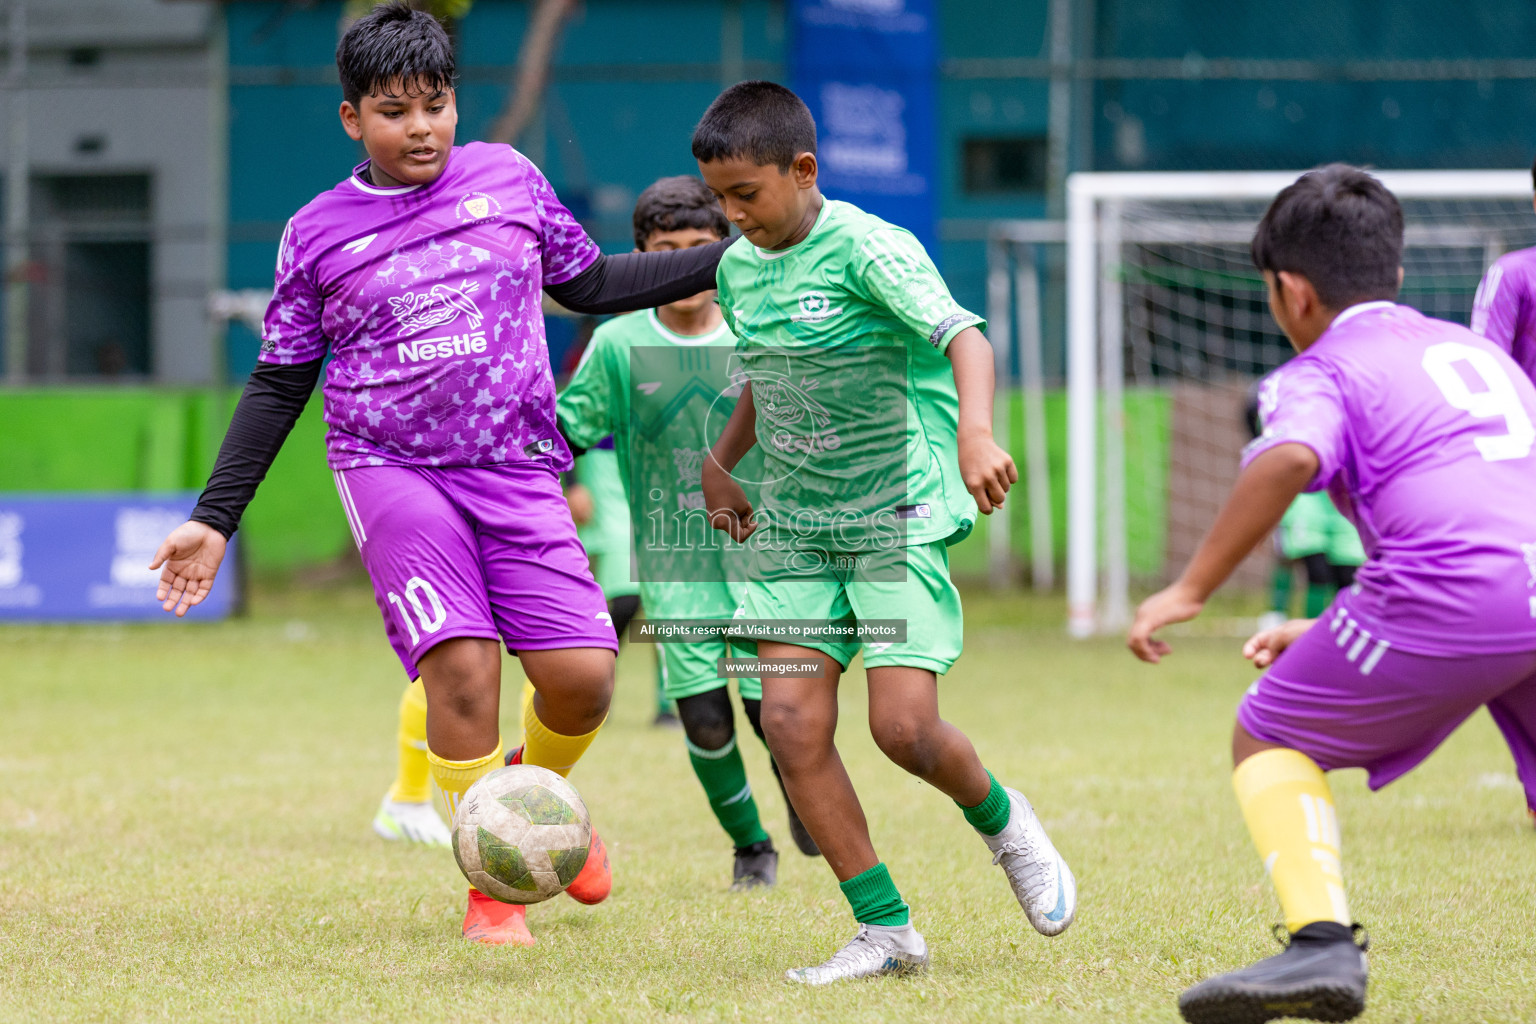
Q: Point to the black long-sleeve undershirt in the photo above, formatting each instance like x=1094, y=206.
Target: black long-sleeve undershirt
x=270, y=405
x=639, y=280
x=275, y=395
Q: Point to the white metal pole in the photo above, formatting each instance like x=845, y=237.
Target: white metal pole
x=1116, y=610
x=1000, y=555
x=1037, y=465
x=1082, y=511
x=16, y=200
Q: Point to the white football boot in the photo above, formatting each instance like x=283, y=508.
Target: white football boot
x=1041, y=880
x=873, y=952
x=414, y=823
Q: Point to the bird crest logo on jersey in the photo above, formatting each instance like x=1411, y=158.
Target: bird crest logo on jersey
x=797, y=420
x=477, y=206
x=418, y=311
x=814, y=308
x=690, y=465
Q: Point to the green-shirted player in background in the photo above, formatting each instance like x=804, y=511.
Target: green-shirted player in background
x=657, y=421
x=869, y=397
x=601, y=510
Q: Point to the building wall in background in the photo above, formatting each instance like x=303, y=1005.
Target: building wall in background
x=121, y=87
x=1155, y=84
x=1160, y=85
x=1393, y=83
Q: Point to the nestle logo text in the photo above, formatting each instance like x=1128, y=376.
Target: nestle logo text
x=441, y=348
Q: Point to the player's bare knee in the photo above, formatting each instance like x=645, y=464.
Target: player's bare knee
x=579, y=682
x=586, y=699
x=708, y=719
x=462, y=679
x=794, y=740
x=908, y=742
x=471, y=703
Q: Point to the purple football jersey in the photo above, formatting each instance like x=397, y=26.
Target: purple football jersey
x=1504, y=311
x=1424, y=434
x=428, y=299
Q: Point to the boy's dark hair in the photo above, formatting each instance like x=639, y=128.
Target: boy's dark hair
x=1340, y=229
x=762, y=121
x=394, y=43
x=672, y=204
x=1533, y=174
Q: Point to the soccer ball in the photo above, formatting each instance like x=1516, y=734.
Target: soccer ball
x=521, y=834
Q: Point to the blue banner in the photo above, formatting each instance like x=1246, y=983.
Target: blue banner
x=868, y=70
x=72, y=558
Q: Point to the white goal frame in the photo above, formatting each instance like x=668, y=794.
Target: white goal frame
x=1095, y=371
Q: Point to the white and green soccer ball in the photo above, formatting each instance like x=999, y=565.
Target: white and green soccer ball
x=521, y=834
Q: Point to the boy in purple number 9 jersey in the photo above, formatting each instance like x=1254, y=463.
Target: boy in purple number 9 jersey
x=1410, y=424
x=421, y=276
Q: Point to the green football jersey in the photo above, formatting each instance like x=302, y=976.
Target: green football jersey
x=664, y=397
x=606, y=537
x=843, y=338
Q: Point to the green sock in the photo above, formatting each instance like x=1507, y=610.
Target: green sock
x=874, y=898
x=663, y=705
x=724, y=778
x=991, y=815
x=1281, y=583
x=1318, y=596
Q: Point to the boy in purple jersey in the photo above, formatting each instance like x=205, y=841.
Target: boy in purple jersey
x=420, y=275
x=1410, y=424
x=1504, y=310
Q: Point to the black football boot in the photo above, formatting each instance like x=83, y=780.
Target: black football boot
x=1319, y=976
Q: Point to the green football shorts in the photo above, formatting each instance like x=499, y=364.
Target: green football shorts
x=926, y=599
x=690, y=669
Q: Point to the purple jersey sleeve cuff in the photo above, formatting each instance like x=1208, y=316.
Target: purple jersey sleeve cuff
x=576, y=267
x=1275, y=438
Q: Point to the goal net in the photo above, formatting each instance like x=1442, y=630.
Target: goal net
x=1168, y=327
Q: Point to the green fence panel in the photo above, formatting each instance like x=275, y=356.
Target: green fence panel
x=1148, y=424
x=149, y=439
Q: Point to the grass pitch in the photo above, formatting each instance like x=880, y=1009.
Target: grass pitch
x=184, y=835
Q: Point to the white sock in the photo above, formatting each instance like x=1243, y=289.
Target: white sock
x=904, y=937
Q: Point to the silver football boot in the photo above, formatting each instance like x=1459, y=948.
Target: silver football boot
x=869, y=954
x=1041, y=880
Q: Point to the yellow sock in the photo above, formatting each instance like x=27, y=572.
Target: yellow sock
x=526, y=707
x=413, y=779
x=1290, y=814
x=453, y=778
x=550, y=749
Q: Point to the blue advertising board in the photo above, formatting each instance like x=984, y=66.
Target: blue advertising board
x=868, y=71
x=84, y=557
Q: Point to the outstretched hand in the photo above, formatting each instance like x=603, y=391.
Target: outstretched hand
x=1167, y=606
x=1267, y=644
x=190, y=557
x=986, y=470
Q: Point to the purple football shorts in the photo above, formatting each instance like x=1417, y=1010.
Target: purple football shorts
x=481, y=551
x=1348, y=699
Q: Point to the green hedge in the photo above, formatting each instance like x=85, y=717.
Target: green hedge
x=1148, y=423
x=156, y=440
x=164, y=440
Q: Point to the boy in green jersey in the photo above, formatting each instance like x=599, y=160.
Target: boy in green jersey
x=601, y=510
x=869, y=395
x=652, y=380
